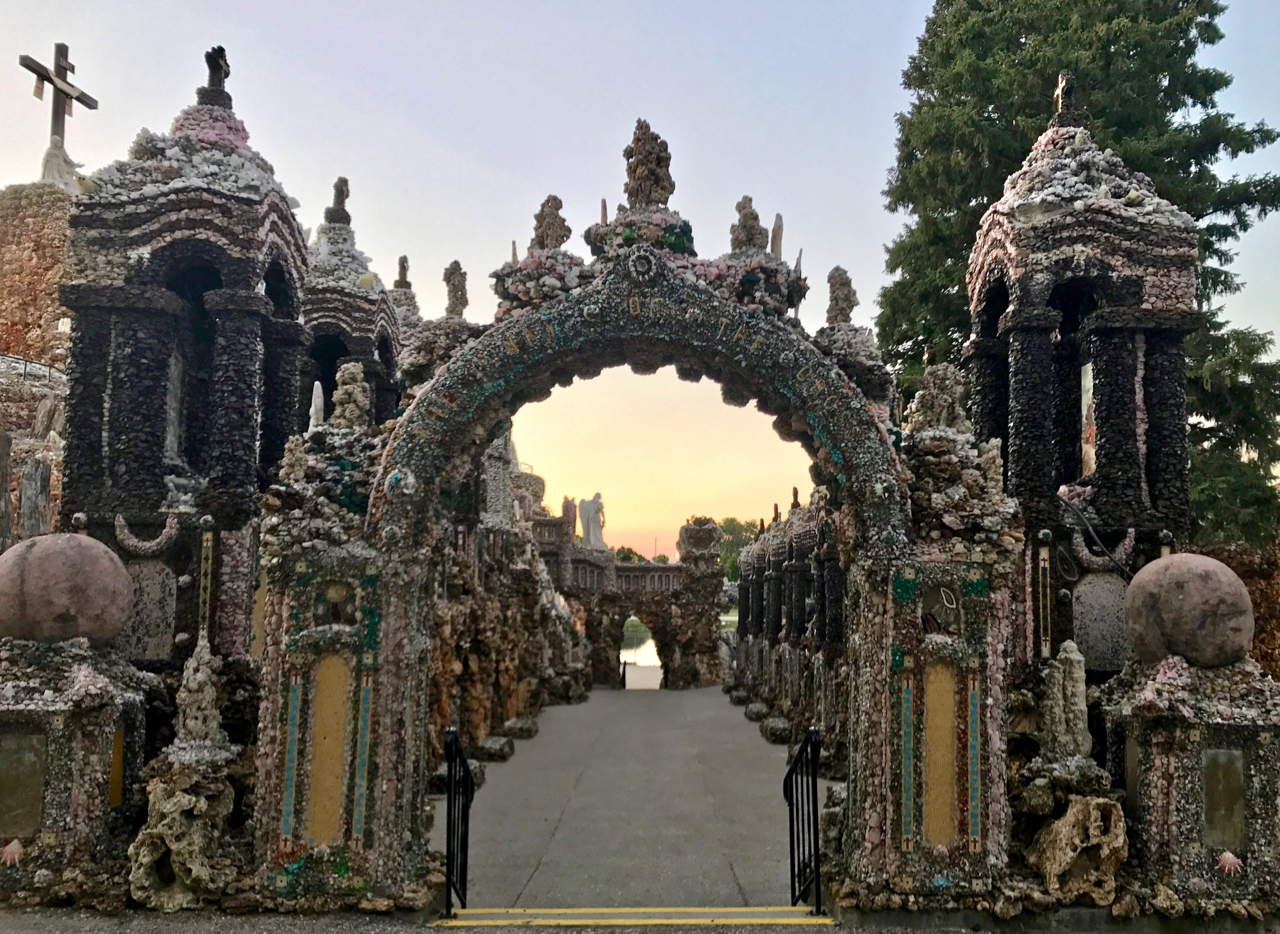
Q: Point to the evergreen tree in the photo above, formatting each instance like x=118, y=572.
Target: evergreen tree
x=982, y=82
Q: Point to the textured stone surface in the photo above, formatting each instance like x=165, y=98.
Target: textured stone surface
x=756, y=712
x=494, y=749
x=1079, y=853
x=520, y=728
x=59, y=587
x=776, y=730
x=149, y=635
x=1098, y=613
x=1189, y=605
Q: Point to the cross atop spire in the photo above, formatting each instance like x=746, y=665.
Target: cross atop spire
x=64, y=92
x=214, y=94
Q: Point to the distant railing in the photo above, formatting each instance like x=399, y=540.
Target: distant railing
x=30, y=369
x=461, y=792
x=800, y=789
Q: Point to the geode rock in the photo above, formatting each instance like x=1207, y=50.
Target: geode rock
x=1078, y=854
x=756, y=712
x=521, y=728
x=1189, y=605
x=59, y=587
x=776, y=730
x=495, y=749
x=739, y=697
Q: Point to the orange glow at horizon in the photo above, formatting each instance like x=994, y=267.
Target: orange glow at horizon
x=659, y=451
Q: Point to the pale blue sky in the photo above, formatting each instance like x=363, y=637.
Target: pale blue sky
x=454, y=121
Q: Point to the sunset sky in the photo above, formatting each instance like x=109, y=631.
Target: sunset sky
x=453, y=121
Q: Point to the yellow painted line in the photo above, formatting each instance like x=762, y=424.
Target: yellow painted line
x=799, y=909
x=614, y=921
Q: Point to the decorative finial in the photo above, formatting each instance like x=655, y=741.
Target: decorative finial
x=747, y=234
x=219, y=70
x=455, y=281
x=777, y=513
x=795, y=497
x=604, y=210
x=214, y=93
x=842, y=299
x=1067, y=108
x=337, y=214
x=775, y=243
x=649, y=181
x=402, y=279
x=515, y=256
x=549, y=229
x=1064, y=97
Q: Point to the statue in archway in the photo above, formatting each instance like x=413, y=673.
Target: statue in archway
x=591, y=514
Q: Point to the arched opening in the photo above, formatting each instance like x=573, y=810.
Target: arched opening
x=990, y=398
x=188, y=409
x=327, y=352
x=1074, y=431
x=386, y=395
x=277, y=289
x=639, y=654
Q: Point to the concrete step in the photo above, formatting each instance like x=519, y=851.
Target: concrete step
x=739, y=917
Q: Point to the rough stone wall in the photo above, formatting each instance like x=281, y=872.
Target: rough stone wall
x=33, y=247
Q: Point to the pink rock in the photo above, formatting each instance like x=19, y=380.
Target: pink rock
x=58, y=587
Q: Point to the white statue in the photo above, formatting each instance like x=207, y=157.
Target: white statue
x=317, y=406
x=591, y=514
x=58, y=167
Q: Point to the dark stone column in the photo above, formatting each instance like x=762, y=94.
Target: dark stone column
x=308, y=373
x=773, y=600
x=141, y=345
x=833, y=576
x=283, y=344
x=1165, y=393
x=1118, y=479
x=1066, y=407
x=83, y=475
x=757, y=599
x=819, y=571
x=988, y=366
x=744, y=603
x=237, y=399
x=1029, y=461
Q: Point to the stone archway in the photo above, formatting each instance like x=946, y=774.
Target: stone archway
x=641, y=313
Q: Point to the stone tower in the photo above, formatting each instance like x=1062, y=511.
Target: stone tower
x=184, y=270
x=1081, y=288
x=350, y=314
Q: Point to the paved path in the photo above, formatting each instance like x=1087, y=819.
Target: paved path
x=634, y=799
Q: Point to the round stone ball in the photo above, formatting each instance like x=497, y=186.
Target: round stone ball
x=58, y=587
x=1189, y=605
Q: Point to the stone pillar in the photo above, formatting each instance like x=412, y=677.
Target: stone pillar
x=795, y=572
x=237, y=400
x=988, y=368
x=137, y=388
x=757, y=597
x=833, y=577
x=6, y=504
x=283, y=344
x=1118, y=479
x=1066, y=406
x=1029, y=463
x=773, y=600
x=819, y=571
x=744, y=594
x=1165, y=391
x=33, y=499
x=83, y=471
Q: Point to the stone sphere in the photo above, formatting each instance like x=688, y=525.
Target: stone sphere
x=1192, y=606
x=58, y=587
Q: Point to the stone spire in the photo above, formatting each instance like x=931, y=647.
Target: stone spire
x=402, y=274
x=748, y=233
x=337, y=213
x=550, y=231
x=455, y=280
x=649, y=179
x=842, y=297
x=1067, y=111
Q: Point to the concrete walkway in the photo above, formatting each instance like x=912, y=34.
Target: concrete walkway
x=634, y=799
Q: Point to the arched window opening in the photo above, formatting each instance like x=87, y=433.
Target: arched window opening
x=1074, y=430
x=990, y=397
x=386, y=395
x=277, y=287
x=189, y=408
x=327, y=351
x=996, y=304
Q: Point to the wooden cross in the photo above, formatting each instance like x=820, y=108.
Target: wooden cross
x=64, y=92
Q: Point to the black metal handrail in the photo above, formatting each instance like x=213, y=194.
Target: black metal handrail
x=800, y=789
x=461, y=792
